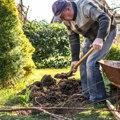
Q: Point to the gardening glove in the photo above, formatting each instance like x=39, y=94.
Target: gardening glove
x=72, y=66
x=97, y=44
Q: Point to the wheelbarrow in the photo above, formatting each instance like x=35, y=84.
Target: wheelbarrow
x=112, y=71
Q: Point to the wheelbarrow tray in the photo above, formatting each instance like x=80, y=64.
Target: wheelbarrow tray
x=112, y=71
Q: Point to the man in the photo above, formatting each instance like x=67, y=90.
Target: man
x=85, y=17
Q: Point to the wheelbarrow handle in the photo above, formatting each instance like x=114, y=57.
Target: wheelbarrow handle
x=83, y=58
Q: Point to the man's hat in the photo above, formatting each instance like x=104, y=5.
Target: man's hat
x=58, y=7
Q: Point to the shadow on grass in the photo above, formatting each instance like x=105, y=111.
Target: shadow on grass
x=32, y=117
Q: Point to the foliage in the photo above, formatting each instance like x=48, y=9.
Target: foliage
x=114, y=53
x=15, y=49
x=56, y=62
x=51, y=43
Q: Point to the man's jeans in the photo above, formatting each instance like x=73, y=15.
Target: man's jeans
x=91, y=77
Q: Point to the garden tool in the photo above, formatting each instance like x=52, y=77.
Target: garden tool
x=70, y=73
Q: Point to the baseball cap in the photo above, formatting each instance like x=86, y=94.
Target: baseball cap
x=58, y=6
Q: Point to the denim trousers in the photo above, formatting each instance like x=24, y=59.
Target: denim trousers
x=91, y=77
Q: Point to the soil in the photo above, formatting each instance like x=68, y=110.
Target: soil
x=61, y=76
x=49, y=93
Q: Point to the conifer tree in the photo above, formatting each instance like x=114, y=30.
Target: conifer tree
x=15, y=49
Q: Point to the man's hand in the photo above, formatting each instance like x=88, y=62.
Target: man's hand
x=97, y=44
x=72, y=66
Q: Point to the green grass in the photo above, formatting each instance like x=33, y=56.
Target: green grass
x=8, y=95
x=94, y=115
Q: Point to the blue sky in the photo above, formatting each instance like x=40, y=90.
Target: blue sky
x=42, y=9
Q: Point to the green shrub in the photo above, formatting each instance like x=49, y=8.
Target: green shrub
x=114, y=53
x=51, y=43
x=59, y=62
x=15, y=49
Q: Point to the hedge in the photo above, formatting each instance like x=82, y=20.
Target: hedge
x=51, y=44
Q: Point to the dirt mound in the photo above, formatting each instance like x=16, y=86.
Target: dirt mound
x=69, y=87
x=49, y=93
x=48, y=81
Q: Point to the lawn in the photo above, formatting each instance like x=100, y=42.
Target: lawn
x=8, y=98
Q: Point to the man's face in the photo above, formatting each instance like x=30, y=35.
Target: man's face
x=67, y=14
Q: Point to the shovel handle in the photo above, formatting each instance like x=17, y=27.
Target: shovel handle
x=83, y=58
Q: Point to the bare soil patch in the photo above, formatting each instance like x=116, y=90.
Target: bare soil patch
x=49, y=93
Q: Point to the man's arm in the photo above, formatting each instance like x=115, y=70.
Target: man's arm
x=74, y=45
x=96, y=14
